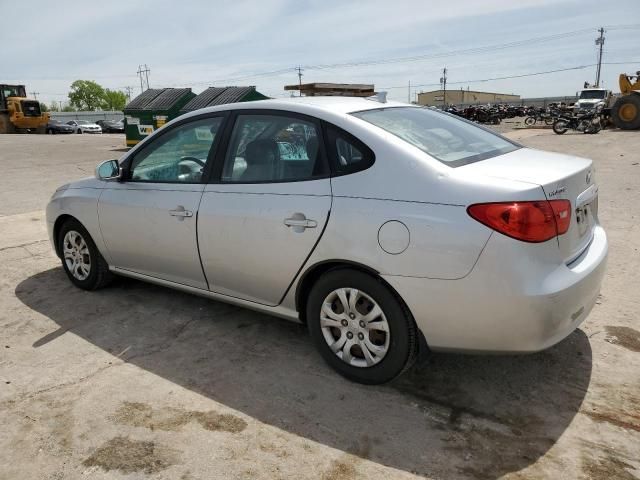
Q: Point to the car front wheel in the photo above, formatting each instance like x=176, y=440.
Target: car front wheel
x=81, y=260
x=360, y=327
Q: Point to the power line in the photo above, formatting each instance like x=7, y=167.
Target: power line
x=509, y=77
x=500, y=46
x=356, y=63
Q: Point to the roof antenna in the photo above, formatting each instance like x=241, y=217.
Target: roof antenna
x=380, y=97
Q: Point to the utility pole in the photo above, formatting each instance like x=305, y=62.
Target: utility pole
x=443, y=82
x=35, y=95
x=144, y=72
x=300, y=79
x=409, y=92
x=128, y=90
x=600, y=42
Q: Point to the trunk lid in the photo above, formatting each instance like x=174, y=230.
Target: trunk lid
x=561, y=177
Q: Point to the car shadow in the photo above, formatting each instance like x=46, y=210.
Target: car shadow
x=453, y=416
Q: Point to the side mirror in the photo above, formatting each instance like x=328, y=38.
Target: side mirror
x=109, y=170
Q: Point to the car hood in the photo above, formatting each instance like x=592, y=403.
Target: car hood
x=89, y=182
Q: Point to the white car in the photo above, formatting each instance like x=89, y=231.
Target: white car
x=388, y=229
x=83, y=126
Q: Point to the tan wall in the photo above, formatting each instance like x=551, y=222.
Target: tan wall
x=464, y=96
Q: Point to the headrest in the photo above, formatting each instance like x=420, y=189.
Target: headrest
x=262, y=152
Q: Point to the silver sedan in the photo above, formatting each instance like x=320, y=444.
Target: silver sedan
x=388, y=229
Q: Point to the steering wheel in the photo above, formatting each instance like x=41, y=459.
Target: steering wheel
x=192, y=159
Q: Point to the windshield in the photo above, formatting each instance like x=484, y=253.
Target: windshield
x=82, y=122
x=453, y=141
x=592, y=94
x=13, y=91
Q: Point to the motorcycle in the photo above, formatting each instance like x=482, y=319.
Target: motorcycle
x=587, y=123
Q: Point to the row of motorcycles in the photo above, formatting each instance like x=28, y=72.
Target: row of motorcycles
x=560, y=116
x=491, y=115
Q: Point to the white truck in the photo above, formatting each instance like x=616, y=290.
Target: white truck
x=592, y=97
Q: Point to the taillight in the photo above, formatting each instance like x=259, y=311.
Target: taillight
x=535, y=222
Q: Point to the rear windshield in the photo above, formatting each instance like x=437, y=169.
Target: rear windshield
x=451, y=140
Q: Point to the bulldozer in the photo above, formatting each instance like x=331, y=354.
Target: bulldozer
x=18, y=113
x=625, y=112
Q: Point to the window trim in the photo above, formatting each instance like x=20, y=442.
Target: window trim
x=332, y=132
x=216, y=174
x=126, y=164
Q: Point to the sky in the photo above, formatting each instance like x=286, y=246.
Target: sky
x=202, y=43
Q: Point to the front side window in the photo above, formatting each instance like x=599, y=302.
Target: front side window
x=177, y=156
x=446, y=138
x=273, y=148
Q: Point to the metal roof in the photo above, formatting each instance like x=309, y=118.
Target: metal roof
x=144, y=99
x=217, y=96
x=167, y=98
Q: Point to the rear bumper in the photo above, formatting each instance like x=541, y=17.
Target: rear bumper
x=509, y=303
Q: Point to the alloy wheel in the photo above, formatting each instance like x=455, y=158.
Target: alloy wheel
x=76, y=255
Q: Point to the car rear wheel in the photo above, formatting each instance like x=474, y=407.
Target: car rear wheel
x=81, y=260
x=360, y=328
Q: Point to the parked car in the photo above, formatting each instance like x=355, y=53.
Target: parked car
x=111, y=126
x=56, y=126
x=83, y=126
x=388, y=229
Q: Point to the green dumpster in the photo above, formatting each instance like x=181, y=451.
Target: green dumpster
x=152, y=109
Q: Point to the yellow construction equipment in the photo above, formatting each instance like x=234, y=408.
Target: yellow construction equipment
x=18, y=113
x=625, y=112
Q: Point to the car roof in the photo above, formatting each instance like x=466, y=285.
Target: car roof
x=310, y=105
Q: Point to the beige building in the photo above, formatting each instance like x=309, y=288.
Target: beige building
x=457, y=97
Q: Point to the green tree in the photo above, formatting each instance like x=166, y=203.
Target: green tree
x=114, y=99
x=44, y=107
x=68, y=108
x=86, y=95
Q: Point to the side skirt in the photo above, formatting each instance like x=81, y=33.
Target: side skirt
x=278, y=311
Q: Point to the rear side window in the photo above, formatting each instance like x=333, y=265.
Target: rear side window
x=347, y=153
x=273, y=148
x=452, y=141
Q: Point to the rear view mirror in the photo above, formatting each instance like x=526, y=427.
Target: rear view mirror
x=109, y=170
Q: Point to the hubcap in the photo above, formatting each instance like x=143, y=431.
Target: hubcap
x=76, y=255
x=628, y=112
x=354, y=327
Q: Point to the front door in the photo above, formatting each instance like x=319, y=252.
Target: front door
x=148, y=221
x=266, y=212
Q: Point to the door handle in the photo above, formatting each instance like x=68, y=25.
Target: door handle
x=181, y=213
x=298, y=222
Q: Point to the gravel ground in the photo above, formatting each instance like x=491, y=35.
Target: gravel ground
x=136, y=381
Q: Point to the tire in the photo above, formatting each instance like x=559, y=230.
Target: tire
x=50, y=131
x=79, y=131
x=73, y=234
x=530, y=121
x=391, y=353
x=549, y=121
x=625, y=113
x=560, y=126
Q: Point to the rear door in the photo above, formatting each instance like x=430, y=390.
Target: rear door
x=266, y=207
x=148, y=221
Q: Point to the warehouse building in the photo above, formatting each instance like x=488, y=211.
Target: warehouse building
x=464, y=97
